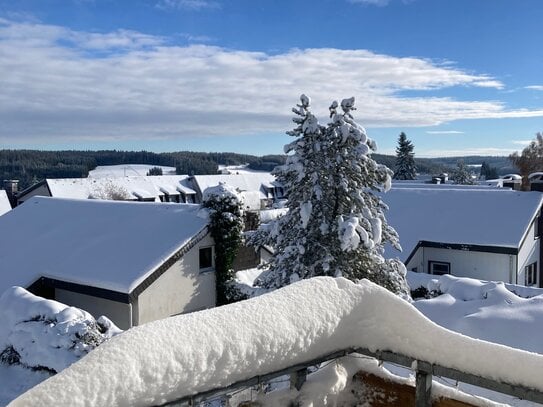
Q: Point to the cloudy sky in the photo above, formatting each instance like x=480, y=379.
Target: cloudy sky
x=458, y=76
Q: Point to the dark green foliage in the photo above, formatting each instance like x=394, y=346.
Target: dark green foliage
x=488, y=172
x=155, y=171
x=268, y=162
x=405, y=159
x=225, y=227
x=424, y=293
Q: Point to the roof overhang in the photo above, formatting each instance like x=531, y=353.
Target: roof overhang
x=463, y=247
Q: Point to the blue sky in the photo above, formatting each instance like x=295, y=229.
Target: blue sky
x=460, y=77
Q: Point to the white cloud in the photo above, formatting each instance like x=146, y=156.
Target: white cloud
x=534, y=87
x=59, y=85
x=379, y=3
x=444, y=132
x=484, y=151
x=522, y=142
x=187, y=4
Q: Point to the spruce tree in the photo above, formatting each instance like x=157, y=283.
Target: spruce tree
x=462, y=175
x=405, y=159
x=335, y=225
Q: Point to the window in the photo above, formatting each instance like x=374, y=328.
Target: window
x=538, y=226
x=530, y=274
x=206, y=258
x=439, y=268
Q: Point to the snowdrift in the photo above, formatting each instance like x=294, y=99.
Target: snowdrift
x=187, y=354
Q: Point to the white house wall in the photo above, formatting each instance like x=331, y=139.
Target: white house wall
x=181, y=289
x=118, y=312
x=528, y=254
x=479, y=265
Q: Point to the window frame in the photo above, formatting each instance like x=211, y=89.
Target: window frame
x=432, y=263
x=207, y=268
x=530, y=275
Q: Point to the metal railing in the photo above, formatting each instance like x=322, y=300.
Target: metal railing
x=423, y=373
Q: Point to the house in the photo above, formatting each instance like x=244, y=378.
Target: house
x=487, y=234
x=5, y=205
x=161, y=188
x=535, y=180
x=133, y=262
x=259, y=189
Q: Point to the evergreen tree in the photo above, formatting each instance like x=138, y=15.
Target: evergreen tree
x=155, y=171
x=405, y=159
x=335, y=225
x=462, y=175
x=225, y=224
x=530, y=160
x=488, y=172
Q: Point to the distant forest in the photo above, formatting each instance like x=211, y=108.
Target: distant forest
x=31, y=166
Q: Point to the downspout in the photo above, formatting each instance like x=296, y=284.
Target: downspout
x=131, y=324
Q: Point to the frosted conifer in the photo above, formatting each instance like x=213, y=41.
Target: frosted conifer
x=335, y=225
x=462, y=175
x=405, y=159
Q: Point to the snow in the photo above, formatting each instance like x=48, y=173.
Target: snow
x=106, y=244
x=134, y=186
x=214, y=348
x=45, y=334
x=252, y=183
x=15, y=380
x=125, y=170
x=5, y=206
x=485, y=310
x=237, y=169
x=221, y=191
x=480, y=217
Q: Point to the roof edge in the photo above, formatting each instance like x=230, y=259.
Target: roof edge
x=151, y=278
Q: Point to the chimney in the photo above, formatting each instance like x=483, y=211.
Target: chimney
x=12, y=187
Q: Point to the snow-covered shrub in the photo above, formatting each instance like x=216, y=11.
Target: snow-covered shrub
x=45, y=334
x=335, y=224
x=226, y=224
x=110, y=191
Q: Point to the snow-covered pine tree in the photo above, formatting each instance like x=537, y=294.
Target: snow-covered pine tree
x=462, y=175
x=405, y=159
x=335, y=225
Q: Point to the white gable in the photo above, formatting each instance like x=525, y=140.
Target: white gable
x=5, y=206
x=106, y=244
x=477, y=217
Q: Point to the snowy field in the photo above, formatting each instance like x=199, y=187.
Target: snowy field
x=309, y=318
x=127, y=170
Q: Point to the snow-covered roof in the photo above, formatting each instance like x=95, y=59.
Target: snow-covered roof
x=140, y=186
x=106, y=244
x=251, y=182
x=536, y=176
x=477, y=217
x=5, y=206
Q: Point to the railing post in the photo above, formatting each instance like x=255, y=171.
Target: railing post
x=298, y=378
x=423, y=392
